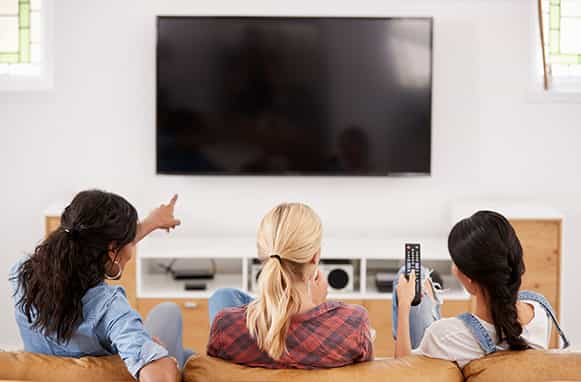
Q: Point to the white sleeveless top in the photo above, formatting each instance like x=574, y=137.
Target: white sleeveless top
x=450, y=338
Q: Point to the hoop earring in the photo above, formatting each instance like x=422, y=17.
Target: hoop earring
x=117, y=276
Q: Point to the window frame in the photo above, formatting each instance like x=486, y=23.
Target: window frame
x=44, y=80
x=562, y=89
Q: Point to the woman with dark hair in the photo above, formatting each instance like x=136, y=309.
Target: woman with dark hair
x=63, y=306
x=488, y=260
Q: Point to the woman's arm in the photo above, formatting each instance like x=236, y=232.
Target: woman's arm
x=405, y=295
x=161, y=217
x=122, y=329
x=162, y=370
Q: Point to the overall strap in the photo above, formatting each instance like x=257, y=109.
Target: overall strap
x=541, y=300
x=479, y=333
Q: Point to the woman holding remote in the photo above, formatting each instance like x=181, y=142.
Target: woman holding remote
x=488, y=261
x=63, y=307
x=290, y=324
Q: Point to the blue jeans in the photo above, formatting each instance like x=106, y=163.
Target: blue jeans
x=227, y=298
x=421, y=315
x=164, y=321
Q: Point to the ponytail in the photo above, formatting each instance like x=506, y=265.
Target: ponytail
x=288, y=239
x=49, y=292
x=269, y=316
x=486, y=248
x=73, y=259
x=503, y=310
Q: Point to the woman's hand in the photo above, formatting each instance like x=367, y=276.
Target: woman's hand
x=162, y=370
x=406, y=290
x=319, y=288
x=162, y=217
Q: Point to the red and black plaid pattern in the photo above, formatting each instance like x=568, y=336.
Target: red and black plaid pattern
x=331, y=335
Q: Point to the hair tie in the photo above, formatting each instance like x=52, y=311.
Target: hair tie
x=73, y=232
x=275, y=256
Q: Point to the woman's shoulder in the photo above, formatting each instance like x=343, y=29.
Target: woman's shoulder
x=103, y=298
x=450, y=332
x=354, y=308
x=105, y=293
x=339, y=309
x=448, y=326
x=13, y=272
x=228, y=316
x=450, y=339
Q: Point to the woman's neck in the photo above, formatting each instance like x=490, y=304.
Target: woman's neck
x=483, y=310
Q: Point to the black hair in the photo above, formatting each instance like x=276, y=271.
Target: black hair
x=486, y=248
x=73, y=259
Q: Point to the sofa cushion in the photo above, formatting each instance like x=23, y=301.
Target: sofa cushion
x=410, y=369
x=37, y=367
x=525, y=366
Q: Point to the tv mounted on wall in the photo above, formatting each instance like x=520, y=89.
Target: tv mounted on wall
x=294, y=96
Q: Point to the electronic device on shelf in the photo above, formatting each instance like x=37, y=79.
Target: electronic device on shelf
x=241, y=95
x=195, y=285
x=193, y=274
x=413, y=263
x=188, y=272
x=339, y=274
x=384, y=281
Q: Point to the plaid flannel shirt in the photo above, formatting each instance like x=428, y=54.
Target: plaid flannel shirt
x=331, y=335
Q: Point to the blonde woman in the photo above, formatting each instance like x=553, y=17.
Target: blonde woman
x=290, y=324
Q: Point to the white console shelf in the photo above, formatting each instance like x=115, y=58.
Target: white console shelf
x=235, y=255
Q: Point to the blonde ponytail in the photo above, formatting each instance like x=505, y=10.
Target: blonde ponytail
x=289, y=238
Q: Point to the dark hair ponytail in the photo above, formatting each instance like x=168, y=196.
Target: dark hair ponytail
x=73, y=259
x=486, y=249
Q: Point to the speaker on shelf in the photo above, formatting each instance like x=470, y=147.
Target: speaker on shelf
x=339, y=274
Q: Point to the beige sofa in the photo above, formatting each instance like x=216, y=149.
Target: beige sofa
x=529, y=366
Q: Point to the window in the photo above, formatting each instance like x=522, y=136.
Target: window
x=23, y=44
x=562, y=38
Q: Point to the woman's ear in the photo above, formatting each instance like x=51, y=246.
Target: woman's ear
x=316, y=258
x=112, y=252
x=469, y=284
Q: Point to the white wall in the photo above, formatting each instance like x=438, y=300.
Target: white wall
x=96, y=129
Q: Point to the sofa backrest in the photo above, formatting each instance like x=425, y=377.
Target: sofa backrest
x=525, y=366
x=409, y=369
x=37, y=367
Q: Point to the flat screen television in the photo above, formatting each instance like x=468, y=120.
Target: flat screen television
x=294, y=96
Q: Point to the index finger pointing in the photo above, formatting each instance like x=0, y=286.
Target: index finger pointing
x=173, y=200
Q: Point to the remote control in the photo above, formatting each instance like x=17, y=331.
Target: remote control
x=413, y=262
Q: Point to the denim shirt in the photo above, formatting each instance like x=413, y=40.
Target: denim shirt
x=110, y=326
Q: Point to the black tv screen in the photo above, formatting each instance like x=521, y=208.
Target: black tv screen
x=294, y=96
